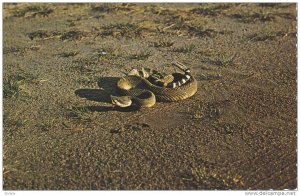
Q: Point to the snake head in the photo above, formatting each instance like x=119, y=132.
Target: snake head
x=145, y=72
x=123, y=101
x=133, y=72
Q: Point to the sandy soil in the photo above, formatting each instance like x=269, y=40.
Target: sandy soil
x=61, y=63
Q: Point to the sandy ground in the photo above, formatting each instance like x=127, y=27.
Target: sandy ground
x=61, y=63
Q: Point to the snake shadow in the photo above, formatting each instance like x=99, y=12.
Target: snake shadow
x=107, y=87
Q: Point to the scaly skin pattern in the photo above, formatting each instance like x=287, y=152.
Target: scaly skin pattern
x=143, y=93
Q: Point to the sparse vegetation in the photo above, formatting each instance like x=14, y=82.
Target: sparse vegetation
x=209, y=77
x=286, y=16
x=47, y=125
x=163, y=43
x=222, y=60
x=207, y=178
x=11, y=87
x=141, y=55
x=107, y=52
x=266, y=36
x=12, y=122
x=122, y=29
x=12, y=84
x=19, y=49
x=211, y=9
x=207, y=110
x=87, y=80
x=226, y=128
x=40, y=34
x=12, y=50
x=204, y=11
x=26, y=76
x=184, y=49
x=78, y=113
x=214, y=111
x=268, y=4
x=111, y=8
x=8, y=165
x=137, y=127
x=73, y=35
x=105, y=8
x=174, y=17
x=43, y=35
x=68, y=54
x=8, y=168
x=275, y=5
x=199, y=113
x=200, y=31
x=253, y=17
x=33, y=11
x=85, y=65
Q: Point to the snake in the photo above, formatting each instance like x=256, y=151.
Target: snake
x=144, y=88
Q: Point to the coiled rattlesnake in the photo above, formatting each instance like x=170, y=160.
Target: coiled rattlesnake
x=143, y=88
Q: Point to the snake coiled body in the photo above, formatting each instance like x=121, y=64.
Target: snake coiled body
x=141, y=92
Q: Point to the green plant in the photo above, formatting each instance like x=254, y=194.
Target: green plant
x=11, y=87
x=13, y=83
